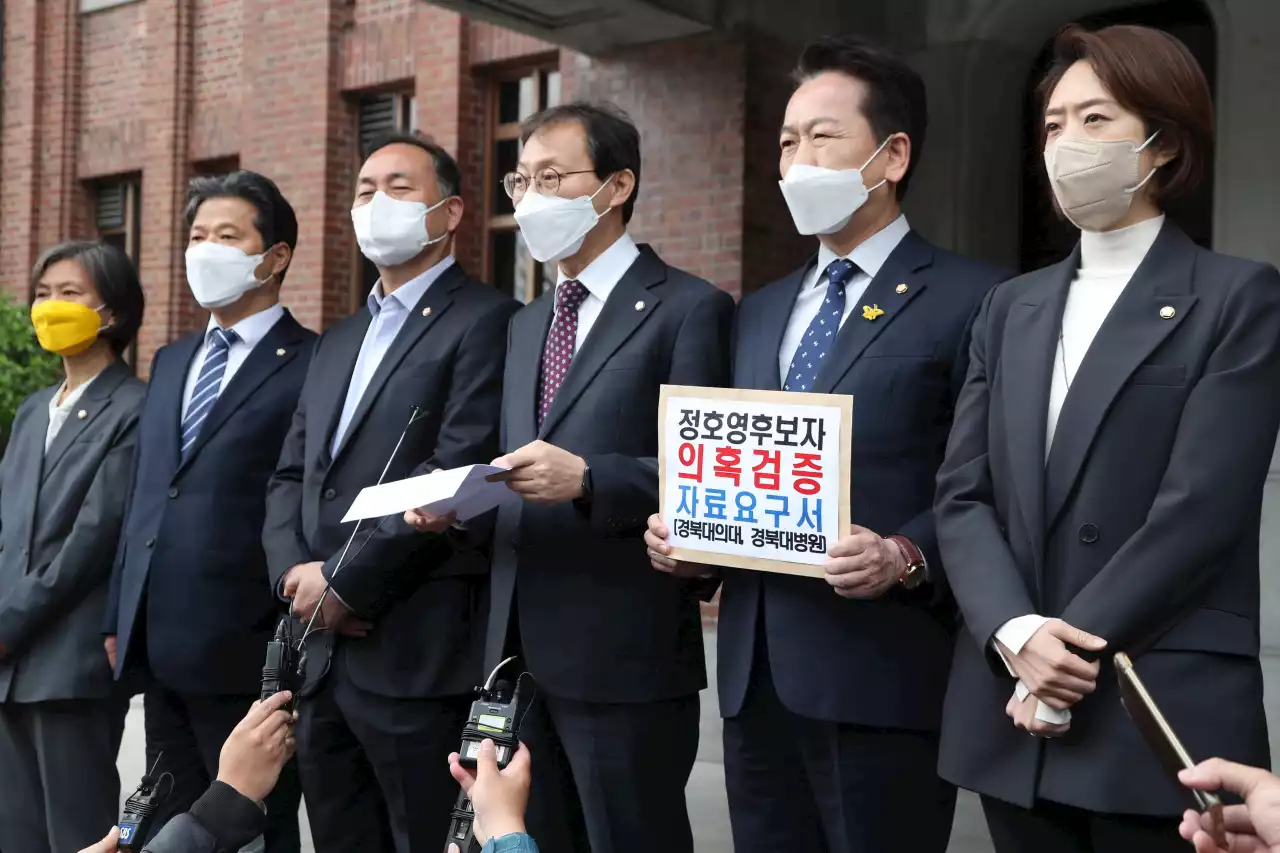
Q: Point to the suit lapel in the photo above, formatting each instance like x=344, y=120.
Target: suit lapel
x=276, y=349
x=628, y=306
x=26, y=458
x=1131, y=332
x=422, y=316
x=336, y=359
x=910, y=255
x=528, y=337
x=1030, y=340
x=776, y=318
x=166, y=390
x=94, y=402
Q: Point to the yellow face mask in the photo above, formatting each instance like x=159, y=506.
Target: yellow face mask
x=65, y=328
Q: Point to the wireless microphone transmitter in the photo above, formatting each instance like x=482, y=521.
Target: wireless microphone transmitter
x=493, y=717
x=285, y=668
x=140, y=809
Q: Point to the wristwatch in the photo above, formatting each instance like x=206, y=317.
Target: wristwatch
x=916, y=571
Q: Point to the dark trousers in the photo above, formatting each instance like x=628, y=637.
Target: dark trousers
x=610, y=778
x=59, y=789
x=190, y=731
x=375, y=770
x=796, y=783
x=1055, y=828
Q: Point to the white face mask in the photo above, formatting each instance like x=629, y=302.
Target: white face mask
x=555, y=228
x=822, y=201
x=219, y=274
x=392, y=232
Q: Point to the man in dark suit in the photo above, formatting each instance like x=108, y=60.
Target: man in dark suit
x=191, y=607
x=832, y=693
x=403, y=649
x=615, y=649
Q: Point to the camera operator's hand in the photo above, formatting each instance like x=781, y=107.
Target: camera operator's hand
x=106, y=845
x=498, y=796
x=257, y=748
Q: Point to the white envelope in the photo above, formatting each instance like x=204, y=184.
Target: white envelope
x=465, y=491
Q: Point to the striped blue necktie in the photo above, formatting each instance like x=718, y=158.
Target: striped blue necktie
x=208, y=385
x=822, y=330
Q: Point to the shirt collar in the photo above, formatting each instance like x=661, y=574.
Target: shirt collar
x=603, y=274
x=408, y=294
x=871, y=254
x=72, y=397
x=253, y=328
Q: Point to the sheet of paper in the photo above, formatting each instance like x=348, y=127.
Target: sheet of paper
x=466, y=491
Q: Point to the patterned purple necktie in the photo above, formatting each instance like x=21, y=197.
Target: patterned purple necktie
x=561, y=342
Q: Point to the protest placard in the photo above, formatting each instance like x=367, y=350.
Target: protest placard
x=754, y=479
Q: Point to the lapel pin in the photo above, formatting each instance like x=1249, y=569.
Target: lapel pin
x=640, y=305
x=82, y=414
x=902, y=288
x=1167, y=312
x=426, y=312
x=870, y=312
x=280, y=351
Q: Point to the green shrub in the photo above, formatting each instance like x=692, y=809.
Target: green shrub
x=24, y=366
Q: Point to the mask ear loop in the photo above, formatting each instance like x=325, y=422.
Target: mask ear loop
x=883, y=181
x=1150, y=174
x=430, y=240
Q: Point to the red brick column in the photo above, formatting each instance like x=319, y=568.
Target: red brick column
x=297, y=128
x=19, y=174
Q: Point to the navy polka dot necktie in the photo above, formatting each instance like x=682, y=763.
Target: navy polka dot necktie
x=562, y=339
x=821, y=334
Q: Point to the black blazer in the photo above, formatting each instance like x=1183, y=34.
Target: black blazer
x=190, y=573
x=882, y=662
x=1142, y=528
x=60, y=517
x=447, y=360
x=597, y=623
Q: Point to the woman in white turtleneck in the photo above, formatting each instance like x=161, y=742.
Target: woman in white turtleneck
x=1103, y=482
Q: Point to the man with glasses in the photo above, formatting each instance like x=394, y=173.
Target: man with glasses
x=614, y=648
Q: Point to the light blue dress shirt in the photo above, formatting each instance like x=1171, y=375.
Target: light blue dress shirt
x=389, y=315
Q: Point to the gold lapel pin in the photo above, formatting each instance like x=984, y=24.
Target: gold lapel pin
x=426, y=312
x=82, y=414
x=640, y=305
x=870, y=312
x=1167, y=312
x=280, y=351
x=902, y=288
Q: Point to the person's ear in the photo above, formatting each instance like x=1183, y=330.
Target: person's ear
x=897, y=156
x=624, y=184
x=455, y=208
x=276, y=261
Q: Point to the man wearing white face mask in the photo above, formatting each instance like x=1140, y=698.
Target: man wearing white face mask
x=400, y=652
x=191, y=608
x=832, y=692
x=616, y=651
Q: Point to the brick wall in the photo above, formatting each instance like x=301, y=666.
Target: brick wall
x=113, y=74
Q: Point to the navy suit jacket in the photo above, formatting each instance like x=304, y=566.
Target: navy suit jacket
x=190, y=596
x=883, y=662
x=426, y=602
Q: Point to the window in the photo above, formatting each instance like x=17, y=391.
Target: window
x=117, y=217
x=379, y=114
x=513, y=98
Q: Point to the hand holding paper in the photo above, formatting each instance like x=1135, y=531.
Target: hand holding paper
x=459, y=493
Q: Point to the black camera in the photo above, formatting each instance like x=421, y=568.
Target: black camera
x=140, y=809
x=286, y=665
x=494, y=716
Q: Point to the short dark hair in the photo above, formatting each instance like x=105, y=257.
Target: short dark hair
x=275, y=219
x=896, y=99
x=613, y=141
x=113, y=276
x=1152, y=74
x=448, y=176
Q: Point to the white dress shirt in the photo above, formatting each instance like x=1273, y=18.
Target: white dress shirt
x=389, y=316
x=868, y=257
x=600, y=278
x=1108, y=260
x=59, y=412
x=249, y=331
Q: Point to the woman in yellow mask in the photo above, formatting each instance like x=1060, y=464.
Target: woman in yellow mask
x=64, y=481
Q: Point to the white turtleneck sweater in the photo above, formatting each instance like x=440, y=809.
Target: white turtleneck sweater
x=1108, y=260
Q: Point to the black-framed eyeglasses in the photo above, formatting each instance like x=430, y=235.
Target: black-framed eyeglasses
x=546, y=180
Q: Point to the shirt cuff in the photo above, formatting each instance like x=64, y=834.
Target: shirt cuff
x=1014, y=635
x=1044, y=713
